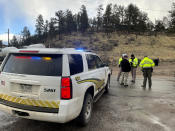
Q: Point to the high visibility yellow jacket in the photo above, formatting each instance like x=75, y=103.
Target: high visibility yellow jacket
x=119, y=62
x=147, y=63
x=134, y=62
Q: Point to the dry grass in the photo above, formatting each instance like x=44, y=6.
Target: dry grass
x=162, y=46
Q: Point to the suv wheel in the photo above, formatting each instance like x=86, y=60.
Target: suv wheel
x=86, y=111
x=107, y=85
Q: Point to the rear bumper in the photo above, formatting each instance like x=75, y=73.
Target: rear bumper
x=68, y=110
x=29, y=107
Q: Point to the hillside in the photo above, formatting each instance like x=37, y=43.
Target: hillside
x=161, y=46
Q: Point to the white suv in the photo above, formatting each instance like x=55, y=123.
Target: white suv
x=56, y=85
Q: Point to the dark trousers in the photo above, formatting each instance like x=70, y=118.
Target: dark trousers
x=147, y=74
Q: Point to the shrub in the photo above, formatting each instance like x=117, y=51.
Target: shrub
x=131, y=39
x=113, y=42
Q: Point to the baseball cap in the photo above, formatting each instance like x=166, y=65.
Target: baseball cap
x=124, y=55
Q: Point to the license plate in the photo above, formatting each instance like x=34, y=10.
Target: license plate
x=26, y=88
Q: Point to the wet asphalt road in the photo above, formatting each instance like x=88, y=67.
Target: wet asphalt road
x=123, y=109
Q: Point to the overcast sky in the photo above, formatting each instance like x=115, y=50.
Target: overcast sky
x=15, y=14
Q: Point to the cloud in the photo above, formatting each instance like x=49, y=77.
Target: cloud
x=156, y=9
x=28, y=10
x=32, y=8
x=4, y=37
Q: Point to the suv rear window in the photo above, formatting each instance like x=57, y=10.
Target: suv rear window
x=34, y=64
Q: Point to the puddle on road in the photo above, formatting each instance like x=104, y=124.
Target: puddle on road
x=156, y=120
x=6, y=119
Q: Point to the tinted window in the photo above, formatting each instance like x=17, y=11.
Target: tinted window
x=99, y=63
x=91, y=62
x=75, y=64
x=34, y=64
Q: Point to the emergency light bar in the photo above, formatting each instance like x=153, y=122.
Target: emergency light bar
x=34, y=58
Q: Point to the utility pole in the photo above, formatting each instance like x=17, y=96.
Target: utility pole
x=8, y=37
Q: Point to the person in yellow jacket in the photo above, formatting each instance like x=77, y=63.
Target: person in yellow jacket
x=120, y=71
x=134, y=62
x=147, y=65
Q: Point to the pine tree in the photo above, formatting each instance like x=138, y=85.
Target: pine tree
x=52, y=29
x=141, y=25
x=99, y=18
x=93, y=24
x=172, y=15
x=159, y=27
x=46, y=27
x=131, y=18
x=60, y=20
x=26, y=38
x=150, y=27
x=78, y=16
x=75, y=24
x=84, y=24
x=46, y=30
x=14, y=42
x=107, y=19
x=39, y=26
x=121, y=15
x=25, y=33
x=121, y=12
x=70, y=23
x=115, y=18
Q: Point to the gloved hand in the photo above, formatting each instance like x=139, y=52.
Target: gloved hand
x=151, y=69
x=142, y=69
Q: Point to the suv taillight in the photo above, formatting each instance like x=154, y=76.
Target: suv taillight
x=66, y=88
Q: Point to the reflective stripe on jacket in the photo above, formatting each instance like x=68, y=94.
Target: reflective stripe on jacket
x=147, y=63
x=134, y=62
x=120, y=61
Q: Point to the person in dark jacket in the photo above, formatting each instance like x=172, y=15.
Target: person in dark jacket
x=120, y=71
x=126, y=68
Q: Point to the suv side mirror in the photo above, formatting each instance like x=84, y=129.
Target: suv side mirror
x=104, y=65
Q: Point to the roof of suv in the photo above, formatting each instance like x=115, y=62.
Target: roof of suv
x=51, y=50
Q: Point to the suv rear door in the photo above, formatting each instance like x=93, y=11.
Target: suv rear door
x=76, y=67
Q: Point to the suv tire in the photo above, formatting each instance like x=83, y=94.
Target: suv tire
x=107, y=85
x=86, y=111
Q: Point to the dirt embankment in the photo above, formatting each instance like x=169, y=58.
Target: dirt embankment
x=111, y=48
x=164, y=69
